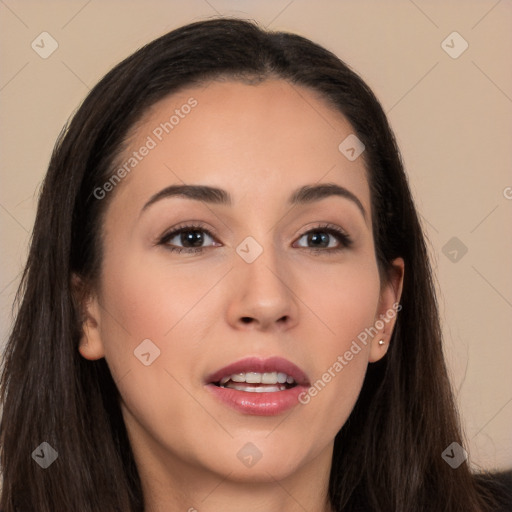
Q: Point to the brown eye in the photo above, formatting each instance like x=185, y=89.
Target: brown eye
x=188, y=239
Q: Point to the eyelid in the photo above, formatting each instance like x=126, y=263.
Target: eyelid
x=345, y=239
x=184, y=226
x=326, y=226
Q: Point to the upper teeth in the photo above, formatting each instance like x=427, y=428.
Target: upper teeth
x=259, y=378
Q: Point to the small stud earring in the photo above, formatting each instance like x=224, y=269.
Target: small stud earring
x=381, y=342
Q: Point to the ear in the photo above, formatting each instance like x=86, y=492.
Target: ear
x=90, y=345
x=390, y=294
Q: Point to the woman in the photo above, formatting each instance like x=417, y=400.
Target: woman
x=228, y=303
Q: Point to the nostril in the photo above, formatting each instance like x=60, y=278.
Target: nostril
x=246, y=319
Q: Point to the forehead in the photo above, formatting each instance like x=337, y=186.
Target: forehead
x=258, y=140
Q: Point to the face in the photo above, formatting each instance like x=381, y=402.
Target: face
x=272, y=274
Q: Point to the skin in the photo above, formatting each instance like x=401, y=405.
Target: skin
x=259, y=143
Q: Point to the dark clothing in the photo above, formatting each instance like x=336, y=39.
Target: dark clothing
x=500, y=484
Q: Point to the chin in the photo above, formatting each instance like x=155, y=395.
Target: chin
x=262, y=472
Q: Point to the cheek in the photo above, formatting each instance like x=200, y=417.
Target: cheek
x=149, y=331
x=149, y=297
x=344, y=298
x=140, y=302
x=341, y=363
x=346, y=301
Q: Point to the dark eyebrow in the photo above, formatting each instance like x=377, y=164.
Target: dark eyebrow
x=303, y=195
x=310, y=193
x=198, y=192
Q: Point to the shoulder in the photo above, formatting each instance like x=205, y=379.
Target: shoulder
x=499, y=485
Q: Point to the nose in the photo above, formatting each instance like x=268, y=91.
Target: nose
x=262, y=295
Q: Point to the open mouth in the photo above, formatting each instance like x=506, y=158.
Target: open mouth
x=258, y=386
x=255, y=382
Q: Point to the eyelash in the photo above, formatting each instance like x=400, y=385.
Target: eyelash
x=343, y=238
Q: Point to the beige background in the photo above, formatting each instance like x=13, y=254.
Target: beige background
x=452, y=118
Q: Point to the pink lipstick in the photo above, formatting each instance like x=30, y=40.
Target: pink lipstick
x=263, y=387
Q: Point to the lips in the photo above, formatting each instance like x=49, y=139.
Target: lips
x=253, y=365
x=262, y=387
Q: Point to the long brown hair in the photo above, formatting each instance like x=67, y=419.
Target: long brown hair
x=387, y=457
